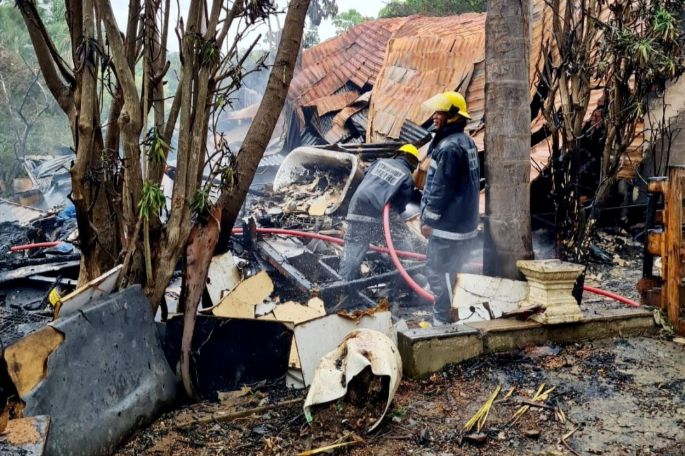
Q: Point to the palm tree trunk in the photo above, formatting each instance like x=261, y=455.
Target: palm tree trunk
x=507, y=137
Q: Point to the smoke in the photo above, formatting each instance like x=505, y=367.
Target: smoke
x=544, y=245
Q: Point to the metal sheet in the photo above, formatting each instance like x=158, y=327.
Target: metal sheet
x=335, y=102
x=316, y=338
x=29, y=271
x=355, y=55
x=106, y=379
x=425, y=56
x=88, y=293
x=13, y=212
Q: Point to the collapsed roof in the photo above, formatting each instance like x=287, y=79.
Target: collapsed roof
x=368, y=84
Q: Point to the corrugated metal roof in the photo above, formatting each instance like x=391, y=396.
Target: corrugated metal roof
x=354, y=56
x=408, y=60
x=12, y=212
x=335, y=102
x=425, y=56
x=414, y=134
x=475, y=95
x=270, y=161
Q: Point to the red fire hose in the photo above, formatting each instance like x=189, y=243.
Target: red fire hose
x=611, y=295
x=33, y=246
x=388, y=240
x=424, y=294
x=390, y=250
x=323, y=237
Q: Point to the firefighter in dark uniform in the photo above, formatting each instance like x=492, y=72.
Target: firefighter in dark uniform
x=386, y=180
x=449, y=213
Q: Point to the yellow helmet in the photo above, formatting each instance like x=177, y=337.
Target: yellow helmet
x=450, y=102
x=411, y=150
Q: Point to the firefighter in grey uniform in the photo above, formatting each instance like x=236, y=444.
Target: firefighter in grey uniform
x=449, y=214
x=386, y=180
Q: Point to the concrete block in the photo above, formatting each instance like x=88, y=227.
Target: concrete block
x=428, y=350
x=602, y=327
x=551, y=285
x=504, y=335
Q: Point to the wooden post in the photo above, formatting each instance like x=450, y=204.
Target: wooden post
x=673, y=221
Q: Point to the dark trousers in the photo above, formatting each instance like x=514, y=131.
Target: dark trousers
x=360, y=234
x=444, y=258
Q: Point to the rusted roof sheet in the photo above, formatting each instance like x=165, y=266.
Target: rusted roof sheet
x=335, y=102
x=475, y=95
x=407, y=60
x=426, y=55
x=355, y=55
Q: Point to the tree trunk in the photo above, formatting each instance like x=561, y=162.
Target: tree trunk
x=97, y=228
x=262, y=127
x=201, y=242
x=507, y=137
x=204, y=235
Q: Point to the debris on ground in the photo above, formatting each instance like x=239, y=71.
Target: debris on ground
x=320, y=336
x=624, y=395
x=240, y=302
x=365, y=369
x=478, y=297
x=87, y=371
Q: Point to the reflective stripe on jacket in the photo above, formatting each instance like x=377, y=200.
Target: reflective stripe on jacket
x=451, y=203
x=386, y=180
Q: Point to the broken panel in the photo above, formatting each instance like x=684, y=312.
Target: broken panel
x=107, y=378
x=227, y=353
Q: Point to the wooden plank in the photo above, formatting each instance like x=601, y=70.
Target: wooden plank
x=655, y=239
x=680, y=329
x=653, y=297
x=673, y=228
x=657, y=185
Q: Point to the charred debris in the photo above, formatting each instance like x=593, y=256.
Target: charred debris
x=275, y=310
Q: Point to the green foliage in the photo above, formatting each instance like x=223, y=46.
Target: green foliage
x=399, y=412
x=320, y=10
x=227, y=178
x=640, y=58
x=311, y=37
x=210, y=54
x=403, y=8
x=151, y=200
x=348, y=19
x=156, y=144
x=200, y=204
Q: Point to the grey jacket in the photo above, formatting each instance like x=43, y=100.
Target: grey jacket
x=386, y=180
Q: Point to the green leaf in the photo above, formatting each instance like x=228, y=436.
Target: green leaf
x=200, y=204
x=152, y=199
x=156, y=144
